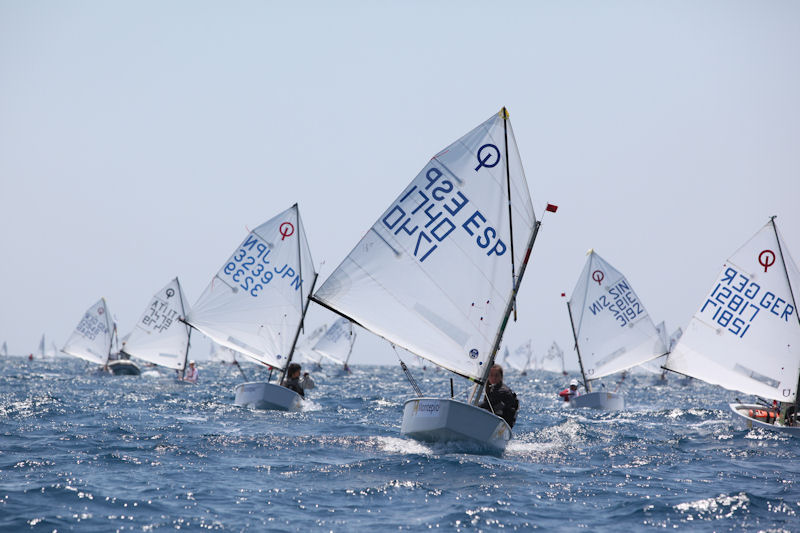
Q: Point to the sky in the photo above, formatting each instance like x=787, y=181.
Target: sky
x=140, y=140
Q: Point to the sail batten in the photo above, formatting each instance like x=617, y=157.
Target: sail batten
x=431, y=275
x=255, y=303
x=612, y=329
x=746, y=334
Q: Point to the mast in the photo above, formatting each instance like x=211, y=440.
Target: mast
x=509, y=307
x=508, y=188
x=586, y=383
x=189, y=327
x=794, y=302
x=299, y=327
x=110, y=330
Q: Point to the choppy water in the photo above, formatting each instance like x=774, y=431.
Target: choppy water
x=79, y=452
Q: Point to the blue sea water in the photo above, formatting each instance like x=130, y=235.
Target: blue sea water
x=91, y=453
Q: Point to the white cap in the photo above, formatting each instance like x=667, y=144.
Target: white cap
x=573, y=382
x=191, y=362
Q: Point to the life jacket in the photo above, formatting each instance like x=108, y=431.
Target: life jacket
x=763, y=415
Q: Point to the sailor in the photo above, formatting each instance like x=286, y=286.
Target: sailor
x=571, y=392
x=192, y=374
x=292, y=380
x=307, y=382
x=499, y=399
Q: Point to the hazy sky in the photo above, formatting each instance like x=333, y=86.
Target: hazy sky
x=140, y=140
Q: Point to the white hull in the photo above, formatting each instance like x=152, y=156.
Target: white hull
x=261, y=395
x=446, y=420
x=741, y=410
x=610, y=401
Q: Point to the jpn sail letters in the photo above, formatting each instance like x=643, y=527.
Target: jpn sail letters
x=746, y=335
x=433, y=274
x=255, y=302
x=612, y=328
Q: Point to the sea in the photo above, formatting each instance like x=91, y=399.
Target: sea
x=86, y=452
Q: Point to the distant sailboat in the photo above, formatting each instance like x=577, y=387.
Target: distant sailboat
x=656, y=366
x=93, y=337
x=521, y=359
x=611, y=328
x=337, y=343
x=4, y=349
x=256, y=303
x=746, y=334
x=44, y=351
x=304, y=353
x=439, y=271
x=553, y=361
x=160, y=337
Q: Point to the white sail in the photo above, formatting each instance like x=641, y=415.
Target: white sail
x=746, y=334
x=434, y=273
x=553, y=361
x=303, y=351
x=93, y=335
x=159, y=336
x=612, y=328
x=255, y=303
x=42, y=353
x=337, y=343
x=221, y=354
x=4, y=349
x=520, y=359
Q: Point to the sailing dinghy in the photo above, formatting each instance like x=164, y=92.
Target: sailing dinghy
x=93, y=340
x=522, y=359
x=439, y=271
x=553, y=361
x=612, y=330
x=746, y=334
x=256, y=303
x=160, y=337
x=337, y=343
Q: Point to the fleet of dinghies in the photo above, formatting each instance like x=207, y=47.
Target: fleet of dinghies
x=437, y=276
x=612, y=330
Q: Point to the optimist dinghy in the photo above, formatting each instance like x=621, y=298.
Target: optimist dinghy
x=256, y=303
x=439, y=271
x=160, y=336
x=93, y=339
x=746, y=334
x=611, y=328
